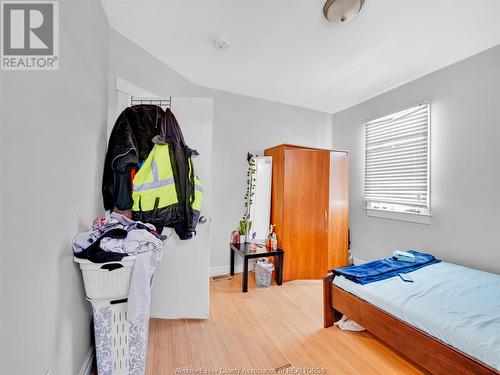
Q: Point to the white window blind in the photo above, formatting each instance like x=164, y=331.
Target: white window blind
x=397, y=161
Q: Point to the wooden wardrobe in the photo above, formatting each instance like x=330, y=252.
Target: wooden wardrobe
x=310, y=208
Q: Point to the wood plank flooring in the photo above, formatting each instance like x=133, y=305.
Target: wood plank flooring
x=267, y=329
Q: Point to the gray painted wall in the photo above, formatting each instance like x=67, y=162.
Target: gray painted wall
x=53, y=134
x=52, y=151
x=465, y=166
x=241, y=124
x=244, y=124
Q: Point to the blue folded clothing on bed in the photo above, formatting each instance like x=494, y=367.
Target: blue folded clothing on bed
x=384, y=268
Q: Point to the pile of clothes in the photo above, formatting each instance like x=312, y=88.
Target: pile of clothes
x=115, y=237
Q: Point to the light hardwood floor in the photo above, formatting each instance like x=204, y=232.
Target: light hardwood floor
x=280, y=326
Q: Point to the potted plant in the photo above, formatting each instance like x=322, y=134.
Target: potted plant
x=244, y=229
x=245, y=223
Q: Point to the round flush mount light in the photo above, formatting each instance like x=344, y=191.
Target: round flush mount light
x=342, y=11
x=221, y=43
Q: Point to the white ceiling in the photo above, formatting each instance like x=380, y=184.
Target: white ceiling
x=285, y=51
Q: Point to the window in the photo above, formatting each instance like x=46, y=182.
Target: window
x=397, y=156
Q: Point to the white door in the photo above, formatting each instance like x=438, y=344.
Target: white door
x=181, y=286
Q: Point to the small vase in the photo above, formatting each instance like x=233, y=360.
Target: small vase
x=242, y=238
x=235, y=237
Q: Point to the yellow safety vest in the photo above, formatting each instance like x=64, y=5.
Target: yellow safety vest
x=198, y=191
x=154, y=185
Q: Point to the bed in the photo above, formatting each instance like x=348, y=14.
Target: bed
x=447, y=320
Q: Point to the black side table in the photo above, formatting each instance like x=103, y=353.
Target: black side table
x=244, y=251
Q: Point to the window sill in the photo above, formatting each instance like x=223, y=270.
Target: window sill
x=401, y=216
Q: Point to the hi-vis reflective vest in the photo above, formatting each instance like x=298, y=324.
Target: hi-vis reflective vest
x=154, y=185
x=198, y=193
x=155, y=194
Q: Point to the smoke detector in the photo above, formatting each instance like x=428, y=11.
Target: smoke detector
x=221, y=43
x=342, y=11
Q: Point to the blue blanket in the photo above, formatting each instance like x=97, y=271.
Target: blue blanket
x=384, y=268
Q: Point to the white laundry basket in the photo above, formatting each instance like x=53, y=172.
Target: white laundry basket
x=107, y=286
x=107, y=281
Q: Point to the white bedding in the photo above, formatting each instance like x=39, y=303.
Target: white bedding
x=458, y=305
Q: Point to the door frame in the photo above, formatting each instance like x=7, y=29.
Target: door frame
x=123, y=92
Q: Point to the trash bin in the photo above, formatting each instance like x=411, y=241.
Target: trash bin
x=263, y=272
x=107, y=286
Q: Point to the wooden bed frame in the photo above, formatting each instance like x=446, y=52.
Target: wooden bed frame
x=425, y=350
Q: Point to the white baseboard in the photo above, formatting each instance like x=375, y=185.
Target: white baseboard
x=224, y=270
x=87, y=363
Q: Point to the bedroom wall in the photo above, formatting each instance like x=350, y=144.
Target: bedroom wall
x=52, y=152
x=241, y=124
x=465, y=166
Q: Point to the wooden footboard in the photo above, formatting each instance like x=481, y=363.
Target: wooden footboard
x=330, y=315
x=425, y=350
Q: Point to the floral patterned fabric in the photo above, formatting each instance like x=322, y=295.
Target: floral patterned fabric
x=137, y=339
x=102, y=328
x=139, y=345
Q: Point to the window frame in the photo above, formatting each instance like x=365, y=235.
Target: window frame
x=403, y=215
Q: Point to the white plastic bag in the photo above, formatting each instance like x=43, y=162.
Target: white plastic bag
x=263, y=272
x=347, y=324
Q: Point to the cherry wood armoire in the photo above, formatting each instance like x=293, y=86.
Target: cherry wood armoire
x=310, y=208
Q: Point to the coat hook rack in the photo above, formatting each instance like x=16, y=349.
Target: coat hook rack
x=164, y=103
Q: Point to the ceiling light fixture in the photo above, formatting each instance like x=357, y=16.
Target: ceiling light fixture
x=342, y=11
x=221, y=43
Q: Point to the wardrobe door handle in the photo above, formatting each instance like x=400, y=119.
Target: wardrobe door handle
x=326, y=222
